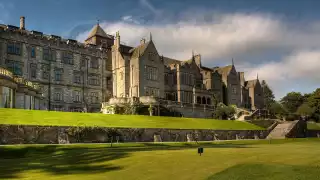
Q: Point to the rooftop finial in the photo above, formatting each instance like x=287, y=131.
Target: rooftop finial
x=193, y=59
x=257, y=76
x=98, y=22
x=232, y=62
x=150, y=36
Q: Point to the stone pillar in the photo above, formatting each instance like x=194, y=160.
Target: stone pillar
x=256, y=136
x=62, y=136
x=157, y=138
x=237, y=137
x=189, y=138
x=318, y=135
x=36, y=103
x=215, y=137
x=19, y=100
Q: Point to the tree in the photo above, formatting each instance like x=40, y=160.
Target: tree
x=224, y=112
x=314, y=102
x=278, y=110
x=292, y=101
x=267, y=95
x=215, y=100
x=305, y=110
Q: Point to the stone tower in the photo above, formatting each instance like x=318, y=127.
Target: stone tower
x=98, y=37
x=120, y=74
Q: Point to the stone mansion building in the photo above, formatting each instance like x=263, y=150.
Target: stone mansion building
x=73, y=76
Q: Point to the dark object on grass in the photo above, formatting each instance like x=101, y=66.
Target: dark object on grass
x=200, y=150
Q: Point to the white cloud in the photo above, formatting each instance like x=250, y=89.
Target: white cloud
x=228, y=36
x=130, y=19
x=298, y=71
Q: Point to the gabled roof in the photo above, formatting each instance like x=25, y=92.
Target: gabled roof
x=224, y=70
x=97, y=31
x=251, y=83
x=139, y=50
x=206, y=68
x=168, y=61
x=126, y=49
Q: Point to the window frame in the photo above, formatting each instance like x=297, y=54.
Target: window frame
x=33, y=70
x=60, y=73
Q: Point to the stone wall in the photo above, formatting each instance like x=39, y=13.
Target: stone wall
x=12, y=134
x=313, y=133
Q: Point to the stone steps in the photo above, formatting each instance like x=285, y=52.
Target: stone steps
x=281, y=130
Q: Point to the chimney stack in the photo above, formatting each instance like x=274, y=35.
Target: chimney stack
x=22, y=22
x=142, y=41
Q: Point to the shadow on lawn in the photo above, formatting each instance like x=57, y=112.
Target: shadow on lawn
x=268, y=171
x=180, y=146
x=73, y=159
x=56, y=160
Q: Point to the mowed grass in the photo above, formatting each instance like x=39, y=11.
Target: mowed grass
x=313, y=126
x=52, y=118
x=294, y=159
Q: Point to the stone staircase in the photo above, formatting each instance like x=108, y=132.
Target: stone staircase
x=282, y=130
x=245, y=114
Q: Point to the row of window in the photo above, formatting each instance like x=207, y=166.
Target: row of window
x=151, y=73
x=171, y=96
x=150, y=91
x=58, y=73
x=14, y=48
x=186, y=96
x=58, y=96
x=187, y=79
x=203, y=100
x=50, y=55
x=15, y=67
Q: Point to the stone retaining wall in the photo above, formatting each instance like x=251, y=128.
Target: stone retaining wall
x=313, y=133
x=13, y=134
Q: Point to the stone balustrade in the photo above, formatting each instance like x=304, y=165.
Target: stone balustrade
x=6, y=73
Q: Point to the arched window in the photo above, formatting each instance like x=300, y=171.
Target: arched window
x=204, y=100
x=208, y=101
x=198, y=100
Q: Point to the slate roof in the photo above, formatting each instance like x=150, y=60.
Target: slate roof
x=139, y=50
x=168, y=61
x=224, y=70
x=206, y=68
x=98, y=31
x=126, y=49
x=250, y=83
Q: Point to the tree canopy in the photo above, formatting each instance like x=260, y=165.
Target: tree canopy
x=268, y=95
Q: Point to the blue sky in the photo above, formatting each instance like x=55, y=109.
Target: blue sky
x=280, y=40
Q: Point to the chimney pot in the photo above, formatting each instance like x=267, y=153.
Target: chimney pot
x=22, y=22
x=142, y=41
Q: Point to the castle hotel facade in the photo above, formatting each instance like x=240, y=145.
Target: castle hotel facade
x=67, y=75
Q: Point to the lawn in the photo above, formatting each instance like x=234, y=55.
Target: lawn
x=314, y=126
x=229, y=160
x=51, y=118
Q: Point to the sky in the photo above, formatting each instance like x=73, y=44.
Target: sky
x=277, y=40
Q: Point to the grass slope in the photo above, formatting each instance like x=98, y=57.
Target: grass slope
x=232, y=160
x=51, y=118
x=314, y=126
